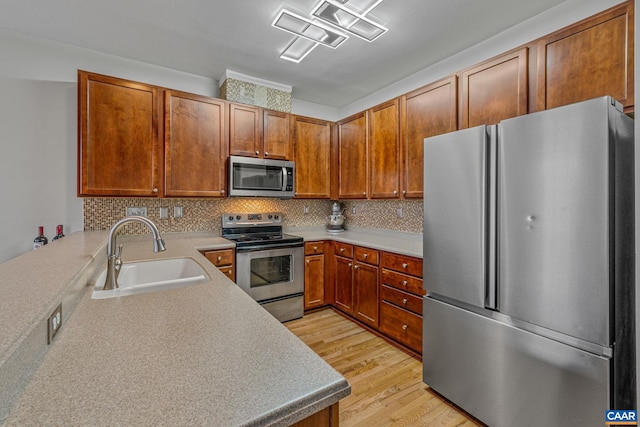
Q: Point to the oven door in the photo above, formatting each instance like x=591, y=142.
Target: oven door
x=271, y=273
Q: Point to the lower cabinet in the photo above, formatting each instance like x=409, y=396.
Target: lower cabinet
x=314, y=275
x=224, y=260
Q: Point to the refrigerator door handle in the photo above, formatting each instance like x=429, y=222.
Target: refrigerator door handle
x=491, y=283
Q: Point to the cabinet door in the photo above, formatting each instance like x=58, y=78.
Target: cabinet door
x=589, y=59
x=314, y=281
x=428, y=111
x=245, y=130
x=195, y=145
x=277, y=135
x=352, y=157
x=384, y=150
x=343, y=284
x=312, y=149
x=365, y=286
x=118, y=148
x=495, y=90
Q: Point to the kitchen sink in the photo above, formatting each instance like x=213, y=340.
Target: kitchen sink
x=150, y=276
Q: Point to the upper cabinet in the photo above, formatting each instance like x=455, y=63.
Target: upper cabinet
x=494, y=90
x=351, y=162
x=195, y=145
x=245, y=130
x=589, y=59
x=255, y=132
x=312, y=150
x=384, y=150
x=428, y=111
x=119, y=152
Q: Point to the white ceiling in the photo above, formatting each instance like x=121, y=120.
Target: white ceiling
x=206, y=37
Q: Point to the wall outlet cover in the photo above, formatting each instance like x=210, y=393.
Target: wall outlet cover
x=54, y=323
x=137, y=211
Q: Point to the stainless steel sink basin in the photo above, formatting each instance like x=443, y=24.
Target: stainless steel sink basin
x=150, y=276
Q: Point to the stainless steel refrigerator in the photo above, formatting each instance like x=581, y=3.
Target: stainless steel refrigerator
x=529, y=267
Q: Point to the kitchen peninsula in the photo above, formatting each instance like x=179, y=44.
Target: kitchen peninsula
x=205, y=354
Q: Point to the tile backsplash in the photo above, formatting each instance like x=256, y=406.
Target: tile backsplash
x=205, y=214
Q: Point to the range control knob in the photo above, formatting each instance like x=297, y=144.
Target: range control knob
x=238, y=217
x=277, y=216
x=230, y=218
x=270, y=216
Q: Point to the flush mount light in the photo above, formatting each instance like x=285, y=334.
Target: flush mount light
x=361, y=6
x=338, y=14
x=298, y=49
x=310, y=30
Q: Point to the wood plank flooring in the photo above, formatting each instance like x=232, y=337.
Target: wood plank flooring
x=386, y=383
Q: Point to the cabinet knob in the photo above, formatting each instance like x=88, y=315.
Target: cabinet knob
x=405, y=283
x=221, y=191
x=395, y=192
x=404, y=300
x=349, y=265
x=356, y=267
x=364, y=193
x=341, y=249
x=365, y=255
x=307, y=261
x=405, y=265
x=155, y=190
x=404, y=327
x=257, y=153
x=229, y=272
x=266, y=153
x=404, y=191
x=315, y=248
x=219, y=257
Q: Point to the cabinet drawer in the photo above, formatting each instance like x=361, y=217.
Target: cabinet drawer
x=343, y=249
x=312, y=248
x=369, y=256
x=402, y=263
x=229, y=271
x=401, y=325
x=403, y=282
x=221, y=257
x=402, y=299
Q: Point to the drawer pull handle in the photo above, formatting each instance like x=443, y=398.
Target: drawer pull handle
x=341, y=249
x=405, y=265
x=405, y=283
x=404, y=327
x=404, y=301
x=365, y=255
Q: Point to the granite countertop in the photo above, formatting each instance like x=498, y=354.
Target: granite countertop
x=206, y=355
x=385, y=240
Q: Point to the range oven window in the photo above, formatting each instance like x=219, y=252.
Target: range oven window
x=271, y=270
x=256, y=177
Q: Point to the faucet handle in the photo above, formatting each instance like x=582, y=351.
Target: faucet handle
x=118, y=260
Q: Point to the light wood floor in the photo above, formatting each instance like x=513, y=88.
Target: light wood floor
x=386, y=383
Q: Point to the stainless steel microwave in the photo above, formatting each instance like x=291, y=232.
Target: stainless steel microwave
x=249, y=177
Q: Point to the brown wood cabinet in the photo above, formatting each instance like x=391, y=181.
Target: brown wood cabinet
x=277, y=143
x=384, y=150
x=195, y=145
x=119, y=152
x=589, y=59
x=494, y=90
x=343, y=274
x=224, y=259
x=428, y=111
x=351, y=163
x=314, y=275
x=365, y=286
x=312, y=155
x=401, y=294
x=245, y=130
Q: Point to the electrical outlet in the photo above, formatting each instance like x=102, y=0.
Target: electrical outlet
x=399, y=213
x=306, y=210
x=177, y=211
x=137, y=211
x=353, y=210
x=54, y=323
x=164, y=213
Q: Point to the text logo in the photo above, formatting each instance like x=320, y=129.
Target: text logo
x=623, y=417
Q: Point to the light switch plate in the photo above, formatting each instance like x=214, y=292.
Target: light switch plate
x=177, y=211
x=164, y=213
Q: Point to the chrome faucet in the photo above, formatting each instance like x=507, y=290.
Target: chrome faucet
x=114, y=254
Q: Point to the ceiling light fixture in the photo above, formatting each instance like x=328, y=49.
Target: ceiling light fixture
x=298, y=49
x=339, y=15
x=313, y=31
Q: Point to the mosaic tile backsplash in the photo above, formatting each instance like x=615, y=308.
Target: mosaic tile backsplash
x=206, y=214
x=254, y=94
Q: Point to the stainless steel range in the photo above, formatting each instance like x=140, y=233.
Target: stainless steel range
x=269, y=264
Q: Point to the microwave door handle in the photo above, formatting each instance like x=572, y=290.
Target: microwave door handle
x=284, y=178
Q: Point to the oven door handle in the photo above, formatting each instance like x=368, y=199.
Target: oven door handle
x=253, y=248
